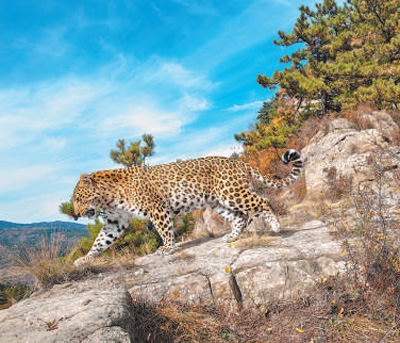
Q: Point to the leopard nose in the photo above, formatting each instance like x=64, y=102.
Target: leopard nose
x=90, y=213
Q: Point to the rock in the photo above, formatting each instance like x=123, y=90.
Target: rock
x=206, y=271
x=347, y=150
x=72, y=312
x=209, y=224
x=111, y=334
x=216, y=272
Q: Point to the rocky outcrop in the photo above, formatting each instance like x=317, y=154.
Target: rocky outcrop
x=205, y=271
x=209, y=224
x=213, y=272
x=347, y=149
x=94, y=310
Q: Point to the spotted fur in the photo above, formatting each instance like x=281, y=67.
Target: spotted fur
x=159, y=192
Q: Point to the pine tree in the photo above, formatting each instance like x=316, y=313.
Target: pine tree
x=315, y=31
x=134, y=154
x=348, y=54
x=67, y=208
x=376, y=54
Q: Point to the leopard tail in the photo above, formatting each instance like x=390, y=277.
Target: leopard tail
x=290, y=155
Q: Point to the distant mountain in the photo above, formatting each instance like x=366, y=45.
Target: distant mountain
x=58, y=224
x=15, y=238
x=12, y=234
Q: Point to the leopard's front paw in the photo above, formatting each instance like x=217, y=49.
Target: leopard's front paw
x=165, y=250
x=228, y=238
x=81, y=260
x=275, y=226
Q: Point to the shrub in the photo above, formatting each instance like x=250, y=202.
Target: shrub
x=367, y=224
x=48, y=267
x=338, y=185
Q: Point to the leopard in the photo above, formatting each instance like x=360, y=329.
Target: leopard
x=159, y=192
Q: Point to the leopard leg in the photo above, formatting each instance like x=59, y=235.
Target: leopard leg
x=114, y=225
x=236, y=219
x=261, y=208
x=162, y=221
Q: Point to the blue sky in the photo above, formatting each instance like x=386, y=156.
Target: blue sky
x=75, y=76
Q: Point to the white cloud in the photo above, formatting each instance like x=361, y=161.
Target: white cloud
x=29, y=113
x=37, y=207
x=255, y=105
x=141, y=119
x=191, y=103
x=21, y=177
x=148, y=117
x=177, y=74
x=32, y=112
x=223, y=150
x=52, y=131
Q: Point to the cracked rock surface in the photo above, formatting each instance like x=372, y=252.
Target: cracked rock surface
x=89, y=311
x=208, y=271
x=347, y=149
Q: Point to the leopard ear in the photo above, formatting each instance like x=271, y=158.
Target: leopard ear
x=86, y=179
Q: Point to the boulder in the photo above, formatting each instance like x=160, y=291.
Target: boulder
x=345, y=152
x=89, y=311
x=209, y=224
x=205, y=271
x=212, y=272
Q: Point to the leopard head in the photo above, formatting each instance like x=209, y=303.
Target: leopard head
x=85, y=197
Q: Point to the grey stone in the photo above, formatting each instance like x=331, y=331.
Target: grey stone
x=294, y=262
x=71, y=312
x=348, y=150
x=113, y=334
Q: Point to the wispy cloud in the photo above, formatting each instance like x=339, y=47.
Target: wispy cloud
x=30, y=112
x=177, y=74
x=74, y=120
x=142, y=118
x=22, y=177
x=254, y=105
x=36, y=207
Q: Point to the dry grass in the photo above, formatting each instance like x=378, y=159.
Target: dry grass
x=361, y=119
x=331, y=313
x=46, y=266
x=338, y=185
x=395, y=136
x=44, y=262
x=172, y=322
x=299, y=189
x=312, y=126
x=335, y=313
x=199, y=234
x=190, y=269
x=253, y=240
x=365, y=108
x=125, y=258
x=184, y=255
x=363, y=122
x=395, y=114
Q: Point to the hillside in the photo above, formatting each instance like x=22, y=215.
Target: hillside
x=16, y=237
x=293, y=286
x=12, y=234
x=44, y=225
